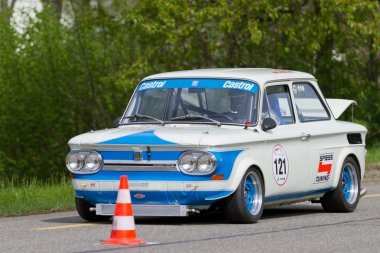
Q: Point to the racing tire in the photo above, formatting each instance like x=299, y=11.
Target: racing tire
x=246, y=204
x=83, y=208
x=345, y=197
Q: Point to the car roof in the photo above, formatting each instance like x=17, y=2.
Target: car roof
x=258, y=75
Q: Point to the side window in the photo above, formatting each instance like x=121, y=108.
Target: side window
x=308, y=103
x=278, y=105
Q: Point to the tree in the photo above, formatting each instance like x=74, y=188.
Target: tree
x=61, y=79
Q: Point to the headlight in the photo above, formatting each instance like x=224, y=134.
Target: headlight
x=94, y=161
x=75, y=161
x=188, y=162
x=197, y=163
x=206, y=163
x=84, y=162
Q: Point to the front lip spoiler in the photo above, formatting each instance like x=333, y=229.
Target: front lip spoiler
x=220, y=195
x=363, y=191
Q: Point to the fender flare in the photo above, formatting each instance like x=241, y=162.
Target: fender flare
x=237, y=173
x=239, y=169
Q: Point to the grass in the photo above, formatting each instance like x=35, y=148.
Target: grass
x=373, y=154
x=35, y=197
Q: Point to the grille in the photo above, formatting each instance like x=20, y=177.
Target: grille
x=162, y=166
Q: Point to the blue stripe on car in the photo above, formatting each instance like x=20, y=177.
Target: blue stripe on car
x=153, y=197
x=179, y=197
x=225, y=162
x=141, y=138
x=296, y=195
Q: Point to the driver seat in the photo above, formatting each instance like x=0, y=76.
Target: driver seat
x=275, y=106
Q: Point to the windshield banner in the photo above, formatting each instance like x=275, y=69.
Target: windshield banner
x=199, y=83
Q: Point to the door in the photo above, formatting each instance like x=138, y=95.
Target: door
x=286, y=149
x=324, y=140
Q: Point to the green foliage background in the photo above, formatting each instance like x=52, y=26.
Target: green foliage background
x=59, y=79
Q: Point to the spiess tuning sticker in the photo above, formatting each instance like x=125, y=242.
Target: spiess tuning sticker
x=324, y=168
x=280, y=165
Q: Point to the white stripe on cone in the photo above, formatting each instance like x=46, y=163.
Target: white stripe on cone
x=123, y=196
x=123, y=223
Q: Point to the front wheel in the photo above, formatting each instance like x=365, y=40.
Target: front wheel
x=245, y=205
x=83, y=208
x=345, y=197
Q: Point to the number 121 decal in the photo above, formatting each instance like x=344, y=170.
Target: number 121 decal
x=280, y=165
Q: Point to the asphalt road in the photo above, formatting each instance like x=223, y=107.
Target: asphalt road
x=300, y=227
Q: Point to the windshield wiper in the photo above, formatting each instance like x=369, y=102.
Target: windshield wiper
x=140, y=116
x=192, y=116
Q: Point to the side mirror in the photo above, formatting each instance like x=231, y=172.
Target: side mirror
x=116, y=122
x=268, y=124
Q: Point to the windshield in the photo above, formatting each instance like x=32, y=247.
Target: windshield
x=213, y=101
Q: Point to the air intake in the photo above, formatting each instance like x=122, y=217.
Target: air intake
x=354, y=138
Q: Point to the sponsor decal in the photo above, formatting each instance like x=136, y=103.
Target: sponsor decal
x=324, y=168
x=191, y=186
x=186, y=83
x=298, y=88
x=152, y=85
x=280, y=165
x=88, y=185
x=139, y=196
x=238, y=85
x=137, y=186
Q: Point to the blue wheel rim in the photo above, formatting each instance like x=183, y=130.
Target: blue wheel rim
x=253, y=193
x=350, y=186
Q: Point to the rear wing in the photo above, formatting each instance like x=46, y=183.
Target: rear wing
x=338, y=106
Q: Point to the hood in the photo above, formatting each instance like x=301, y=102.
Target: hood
x=164, y=136
x=338, y=106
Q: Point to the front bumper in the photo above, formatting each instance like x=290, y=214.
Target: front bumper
x=195, y=193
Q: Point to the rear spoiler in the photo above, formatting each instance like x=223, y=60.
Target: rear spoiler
x=338, y=106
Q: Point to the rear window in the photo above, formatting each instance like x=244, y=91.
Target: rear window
x=309, y=105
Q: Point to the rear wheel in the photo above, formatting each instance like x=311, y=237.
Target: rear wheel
x=83, y=208
x=245, y=205
x=345, y=197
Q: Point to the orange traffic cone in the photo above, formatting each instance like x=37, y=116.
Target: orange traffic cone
x=123, y=226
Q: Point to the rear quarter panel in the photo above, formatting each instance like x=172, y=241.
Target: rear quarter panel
x=329, y=140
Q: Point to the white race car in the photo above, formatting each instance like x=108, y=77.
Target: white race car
x=239, y=139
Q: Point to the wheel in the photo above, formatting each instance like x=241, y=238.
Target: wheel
x=83, y=208
x=245, y=205
x=345, y=197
